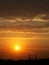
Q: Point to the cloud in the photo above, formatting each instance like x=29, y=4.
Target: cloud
x=42, y=18
x=37, y=18
x=38, y=27
x=38, y=24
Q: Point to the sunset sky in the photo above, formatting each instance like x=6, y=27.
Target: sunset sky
x=24, y=29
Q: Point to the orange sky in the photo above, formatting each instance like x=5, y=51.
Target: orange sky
x=37, y=44
x=24, y=23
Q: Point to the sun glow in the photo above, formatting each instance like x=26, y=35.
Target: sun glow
x=17, y=48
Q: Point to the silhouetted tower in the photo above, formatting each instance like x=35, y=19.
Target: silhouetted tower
x=35, y=56
x=29, y=57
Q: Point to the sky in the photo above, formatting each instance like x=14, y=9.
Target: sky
x=24, y=23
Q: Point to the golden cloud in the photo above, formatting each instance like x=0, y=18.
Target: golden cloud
x=41, y=18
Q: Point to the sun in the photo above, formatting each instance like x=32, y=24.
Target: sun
x=17, y=48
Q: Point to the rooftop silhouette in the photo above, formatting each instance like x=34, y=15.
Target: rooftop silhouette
x=25, y=62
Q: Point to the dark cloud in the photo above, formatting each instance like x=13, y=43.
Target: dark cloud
x=23, y=7
x=46, y=17
x=38, y=27
x=12, y=9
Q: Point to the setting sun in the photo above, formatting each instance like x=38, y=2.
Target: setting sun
x=17, y=48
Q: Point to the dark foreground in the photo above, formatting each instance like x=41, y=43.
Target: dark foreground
x=25, y=62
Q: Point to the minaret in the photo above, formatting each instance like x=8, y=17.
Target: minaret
x=35, y=56
x=29, y=57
